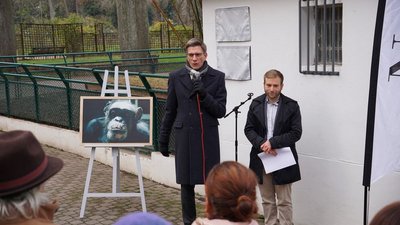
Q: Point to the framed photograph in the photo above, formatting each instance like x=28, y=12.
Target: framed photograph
x=116, y=121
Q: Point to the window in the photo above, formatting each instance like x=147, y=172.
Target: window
x=320, y=37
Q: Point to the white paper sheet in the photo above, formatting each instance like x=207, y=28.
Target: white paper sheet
x=283, y=159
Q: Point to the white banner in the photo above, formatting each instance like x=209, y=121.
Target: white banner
x=386, y=142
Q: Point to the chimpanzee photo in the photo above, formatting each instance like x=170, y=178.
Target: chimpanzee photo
x=121, y=121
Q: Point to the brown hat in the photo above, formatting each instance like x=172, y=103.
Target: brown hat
x=23, y=163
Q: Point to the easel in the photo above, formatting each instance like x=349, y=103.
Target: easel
x=115, y=154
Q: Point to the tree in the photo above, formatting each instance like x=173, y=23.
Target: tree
x=133, y=27
x=92, y=8
x=51, y=10
x=7, y=34
x=183, y=12
x=197, y=8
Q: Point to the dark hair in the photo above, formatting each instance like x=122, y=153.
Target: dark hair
x=272, y=74
x=196, y=42
x=388, y=215
x=231, y=192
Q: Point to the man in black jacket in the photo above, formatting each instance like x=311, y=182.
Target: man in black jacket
x=196, y=99
x=274, y=122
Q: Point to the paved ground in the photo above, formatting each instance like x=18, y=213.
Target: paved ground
x=68, y=185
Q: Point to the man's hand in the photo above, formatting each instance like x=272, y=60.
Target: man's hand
x=164, y=150
x=266, y=147
x=272, y=152
x=199, y=88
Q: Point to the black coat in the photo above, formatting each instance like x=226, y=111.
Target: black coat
x=182, y=114
x=287, y=131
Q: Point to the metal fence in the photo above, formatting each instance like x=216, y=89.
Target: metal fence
x=60, y=38
x=50, y=94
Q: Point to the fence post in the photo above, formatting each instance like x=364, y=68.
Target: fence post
x=82, y=39
x=95, y=37
x=98, y=77
x=68, y=89
x=169, y=37
x=146, y=84
x=161, y=37
x=22, y=39
x=103, y=37
x=53, y=35
x=35, y=89
x=6, y=83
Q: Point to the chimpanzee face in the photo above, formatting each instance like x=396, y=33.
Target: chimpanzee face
x=121, y=119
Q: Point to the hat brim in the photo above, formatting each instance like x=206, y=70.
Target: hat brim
x=54, y=165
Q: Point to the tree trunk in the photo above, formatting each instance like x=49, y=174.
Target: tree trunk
x=7, y=34
x=184, y=12
x=133, y=27
x=65, y=4
x=52, y=12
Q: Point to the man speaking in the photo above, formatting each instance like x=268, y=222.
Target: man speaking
x=196, y=99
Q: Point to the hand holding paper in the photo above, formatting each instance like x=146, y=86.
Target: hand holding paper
x=283, y=159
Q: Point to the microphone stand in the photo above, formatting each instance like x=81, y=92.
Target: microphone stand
x=236, y=110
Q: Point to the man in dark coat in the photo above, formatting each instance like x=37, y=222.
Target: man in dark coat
x=196, y=99
x=274, y=122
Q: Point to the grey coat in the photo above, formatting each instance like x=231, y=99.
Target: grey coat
x=182, y=115
x=287, y=131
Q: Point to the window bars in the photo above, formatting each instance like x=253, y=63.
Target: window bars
x=320, y=37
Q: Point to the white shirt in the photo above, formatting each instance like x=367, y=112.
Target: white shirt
x=270, y=114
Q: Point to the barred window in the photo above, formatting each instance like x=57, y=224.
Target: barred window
x=320, y=37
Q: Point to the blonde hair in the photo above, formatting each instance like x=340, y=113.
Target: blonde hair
x=273, y=74
x=24, y=205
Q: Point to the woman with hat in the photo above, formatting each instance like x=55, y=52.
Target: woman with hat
x=24, y=167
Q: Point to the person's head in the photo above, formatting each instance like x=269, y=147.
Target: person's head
x=141, y=218
x=273, y=84
x=388, y=215
x=196, y=53
x=231, y=192
x=24, y=168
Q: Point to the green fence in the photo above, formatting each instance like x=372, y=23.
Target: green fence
x=60, y=38
x=50, y=94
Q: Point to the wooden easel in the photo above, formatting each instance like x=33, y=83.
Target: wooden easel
x=115, y=154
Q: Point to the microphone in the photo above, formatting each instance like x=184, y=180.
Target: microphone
x=250, y=94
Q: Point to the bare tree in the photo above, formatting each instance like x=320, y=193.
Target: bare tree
x=65, y=6
x=183, y=11
x=133, y=27
x=52, y=12
x=197, y=8
x=7, y=34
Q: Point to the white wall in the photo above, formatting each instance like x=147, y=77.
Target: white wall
x=334, y=108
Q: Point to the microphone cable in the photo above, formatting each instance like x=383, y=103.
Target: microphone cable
x=202, y=137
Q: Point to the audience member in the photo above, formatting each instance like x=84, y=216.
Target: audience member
x=24, y=168
x=230, y=196
x=142, y=218
x=388, y=215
